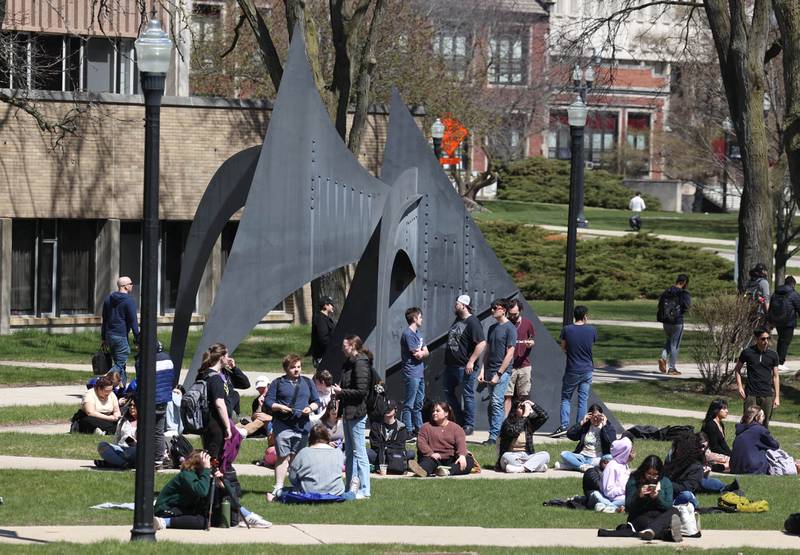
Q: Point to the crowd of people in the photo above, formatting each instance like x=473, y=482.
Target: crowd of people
x=317, y=426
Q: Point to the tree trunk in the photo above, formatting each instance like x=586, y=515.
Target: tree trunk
x=787, y=12
x=367, y=64
x=741, y=46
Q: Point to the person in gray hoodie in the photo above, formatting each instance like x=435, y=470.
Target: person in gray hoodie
x=119, y=319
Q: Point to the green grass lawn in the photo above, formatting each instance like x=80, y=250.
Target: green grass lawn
x=22, y=376
x=713, y=226
x=639, y=310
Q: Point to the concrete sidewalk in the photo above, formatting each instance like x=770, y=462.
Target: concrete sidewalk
x=318, y=534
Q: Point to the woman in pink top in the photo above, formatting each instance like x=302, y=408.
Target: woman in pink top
x=441, y=443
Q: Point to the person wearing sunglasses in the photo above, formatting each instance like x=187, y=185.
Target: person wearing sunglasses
x=762, y=385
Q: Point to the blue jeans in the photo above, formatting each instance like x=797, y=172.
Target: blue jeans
x=711, y=485
x=686, y=497
x=453, y=377
x=119, y=349
x=411, y=415
x=355, y=454
x=597, y=497
x=674, y=333
x=583, y=383
x=114, y=455
x=575, y=460
x=496, y=413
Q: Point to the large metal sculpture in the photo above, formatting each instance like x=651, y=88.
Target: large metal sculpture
x=311, y=208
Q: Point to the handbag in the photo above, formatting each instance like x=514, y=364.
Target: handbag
x=689, y=526
x=102, y=362
x=781, y=463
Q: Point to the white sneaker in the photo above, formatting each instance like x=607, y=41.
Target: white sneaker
x=360, y=496
x=557, y=465
x=609, y=509
x=444, y=471
x=585, y=467
x=256, y=521
x=783, y=368
x=99, y=432
x=541, y=468
x=159, y=523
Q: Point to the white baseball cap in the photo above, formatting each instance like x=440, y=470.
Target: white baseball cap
x=463, y=299
x=262, y=381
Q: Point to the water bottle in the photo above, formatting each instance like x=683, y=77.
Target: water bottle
x=225, y=513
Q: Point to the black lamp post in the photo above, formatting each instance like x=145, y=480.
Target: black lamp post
x=576, y=114
x=153, y=49
x=582, y=82
x=437, y=132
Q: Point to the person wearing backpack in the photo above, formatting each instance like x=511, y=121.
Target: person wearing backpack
x=672, y=305
x=757, y=290
x=352, y=394
x=784, y=306
x=218, y=425
x=291, y=398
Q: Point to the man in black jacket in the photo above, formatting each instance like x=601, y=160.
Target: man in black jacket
x=322, y=325
x=784, y=306
x=387, y=441
x=672, y=305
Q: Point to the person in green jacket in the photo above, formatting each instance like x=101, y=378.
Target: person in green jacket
x=183, y=502
x=648, y=502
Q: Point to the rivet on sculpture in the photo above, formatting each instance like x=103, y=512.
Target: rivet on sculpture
x=311, y=208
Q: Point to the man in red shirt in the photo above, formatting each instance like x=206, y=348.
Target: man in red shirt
x=520, y=383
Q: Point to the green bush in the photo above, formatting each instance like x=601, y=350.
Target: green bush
x=631, y=267
x=543, y=180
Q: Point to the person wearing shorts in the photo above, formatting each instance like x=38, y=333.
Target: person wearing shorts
x=292, y=398
x=519, y=385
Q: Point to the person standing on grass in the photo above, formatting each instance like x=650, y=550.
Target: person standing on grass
x=672, y=305
x=763, y=387
x=465, y=344
x=784, y=306
x=519, y=385
x=576, y=341
x=119, y=319
x=412, y=352
x=501, y=342
x=322, y=325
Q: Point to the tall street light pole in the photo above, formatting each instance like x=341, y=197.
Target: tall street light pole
x=153, y=50
x=582, y=82
x=576, y=114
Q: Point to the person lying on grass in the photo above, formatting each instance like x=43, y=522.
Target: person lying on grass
x=441, y=446
x=184, y=500
x=515, y=448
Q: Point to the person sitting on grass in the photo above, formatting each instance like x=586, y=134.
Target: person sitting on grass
x=593, y=481
x=116, y=380
x=753, y=440
x=441, y=443
x=323, y=381
x=99, y=411
x=686, y=471
x=648, y=501
x=515, y=453
x=594, y=436
x=331, y=421
x=718, y=452
x=387, y=441
x=317, y=469
x=611, y=497
x=183, y=502
x=122, y=453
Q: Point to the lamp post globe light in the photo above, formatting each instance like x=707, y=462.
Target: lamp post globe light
x=437, y=132
x=153, y=52
x=576, y=115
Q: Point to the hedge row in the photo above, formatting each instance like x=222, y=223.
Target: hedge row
x=544, y=180
x=631, y=267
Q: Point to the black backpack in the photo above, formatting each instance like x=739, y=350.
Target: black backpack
x=669, y=308
x=753, y=292
x=179, y=449
x=376, y=396
x=781, y=309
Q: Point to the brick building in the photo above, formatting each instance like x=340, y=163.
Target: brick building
x=70, y=214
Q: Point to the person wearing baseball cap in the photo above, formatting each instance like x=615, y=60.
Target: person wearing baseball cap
x=322, y=325
x=465, y=343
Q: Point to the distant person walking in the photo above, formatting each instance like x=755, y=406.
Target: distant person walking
x=519, y=385
x=498, y=356
x=763, y=386
x=322, y=325
x=757, y=289
x=577, y=341
x=119, y=319
x=636, y=205
x=672, y=305
x=465, y=343
x=784, y=306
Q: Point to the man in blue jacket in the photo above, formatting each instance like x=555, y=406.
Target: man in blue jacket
x=119, y=319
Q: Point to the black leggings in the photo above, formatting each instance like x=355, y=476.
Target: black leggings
x=183, y=521
x=430, y=465
x=657, y=521
x=87, y=425
x=214, y=438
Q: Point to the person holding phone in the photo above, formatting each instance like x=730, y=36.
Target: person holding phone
x=594, y=436
x=121, y=454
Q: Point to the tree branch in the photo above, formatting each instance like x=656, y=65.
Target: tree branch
x=264, y=39
x=236, y=35
x=367, y=64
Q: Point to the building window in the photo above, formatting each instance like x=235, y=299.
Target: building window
x=453, y=46
x=508, y=57
x=638, y=132
x=130, y=255
x=65, y=63
x=205, y=22
x=53, y=267
x=173, y=243
x=599, y=139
